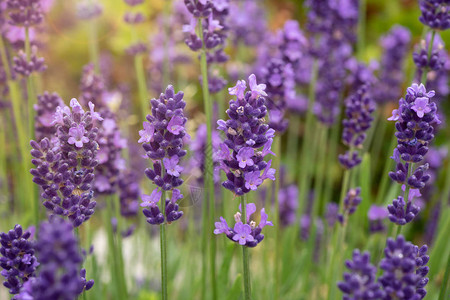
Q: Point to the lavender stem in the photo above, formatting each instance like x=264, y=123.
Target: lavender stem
x=245, y=257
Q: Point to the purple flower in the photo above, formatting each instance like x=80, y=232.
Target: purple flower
x=239, y=89
x=415, y=131
x=171, y=165
x=17, y=258
x=163, y=139
x=221, y=227
x=376, y=216
x=65, y=165
x=147, y=133
x=244, y=157
x=395, y=115
x=77, y=136
x=252, y=180
x=360, y=282
x=242, y=233
x=421, y=106
x=435, y=14
x=152, y=199
x=264, y=218
x=45, y=114
x=257, y=89
x=95, y=115
x=246, y=133
x=176, y=125
x=402, y=213
x=60, y=275
x=404, y=269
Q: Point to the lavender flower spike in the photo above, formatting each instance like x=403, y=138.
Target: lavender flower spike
x=404, y=270
x=244, y=232
x=163, y=139
x=59, y=275
x=65, y=164
x=414, y=118
x=248, y=139
x=17, y=258
x=359, y=283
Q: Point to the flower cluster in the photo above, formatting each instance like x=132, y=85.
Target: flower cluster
x=17, y=258
x=247, y=137
x=288, y=199
x=163, y=140
x=358, y=112
x=435, y=14
x=92, y=86
x=248, y=233
x=45, y=110
x=395, y=45
x=351, y=202
x=279, y=80
x=65, y=168
x=130, y=193
x=26, y=67
x=402, y=213
x=25, y=12
x=360, y=282
x=433, y=62
x=414, y=118
x=404, y=269
x=59, y=275
x=88, y=10
x=213, y=17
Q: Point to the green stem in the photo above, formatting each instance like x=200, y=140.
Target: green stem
x=445, y=281
x=163, y=242
x=112, y=248
x=423, y=79
x=245, y=256
x=306, y=163
x=379, y=140
x=208, y=173
x=399, y=230
x=121, y=267
x=331, y=157
x=337, y=255
x=276, y=183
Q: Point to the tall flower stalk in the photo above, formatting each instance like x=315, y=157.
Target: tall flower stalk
x=162, y=138
x=248, y=141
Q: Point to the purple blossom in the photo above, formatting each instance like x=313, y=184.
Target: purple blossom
x=239, y=89
x=45, y=114
x=421, y=106
x=152, y=199
x=65, y=166
x=172, y=167
x=246, y=234
x=17, y=258
x=244, y=157
x=242, y=233
x=404, y=270
x=77, y=136
x=257, y=89
x=435, y=14
x=146, y=133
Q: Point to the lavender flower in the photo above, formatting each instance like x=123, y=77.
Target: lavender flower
x=65, y=167
x=435, y=14
x=130, y=193
x=25, y=12
x=437, y=58
x=332, y=213
x=287, y=198
x=395, y=45
x=162, y=140
x=88, y=10
x=359, y=108
x=404, y=270
x=414, y=118
x=402, y=213
x=247, y=137
x=92, y=87
x=351, y=202
x=59, y=275
x=359, y=283
x=246, y=232
x=17, y=258
x=24, y=67
x=45, y=110
x=244, y=28
x=376, y=215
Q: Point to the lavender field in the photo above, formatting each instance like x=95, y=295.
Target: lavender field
x=224, y=149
